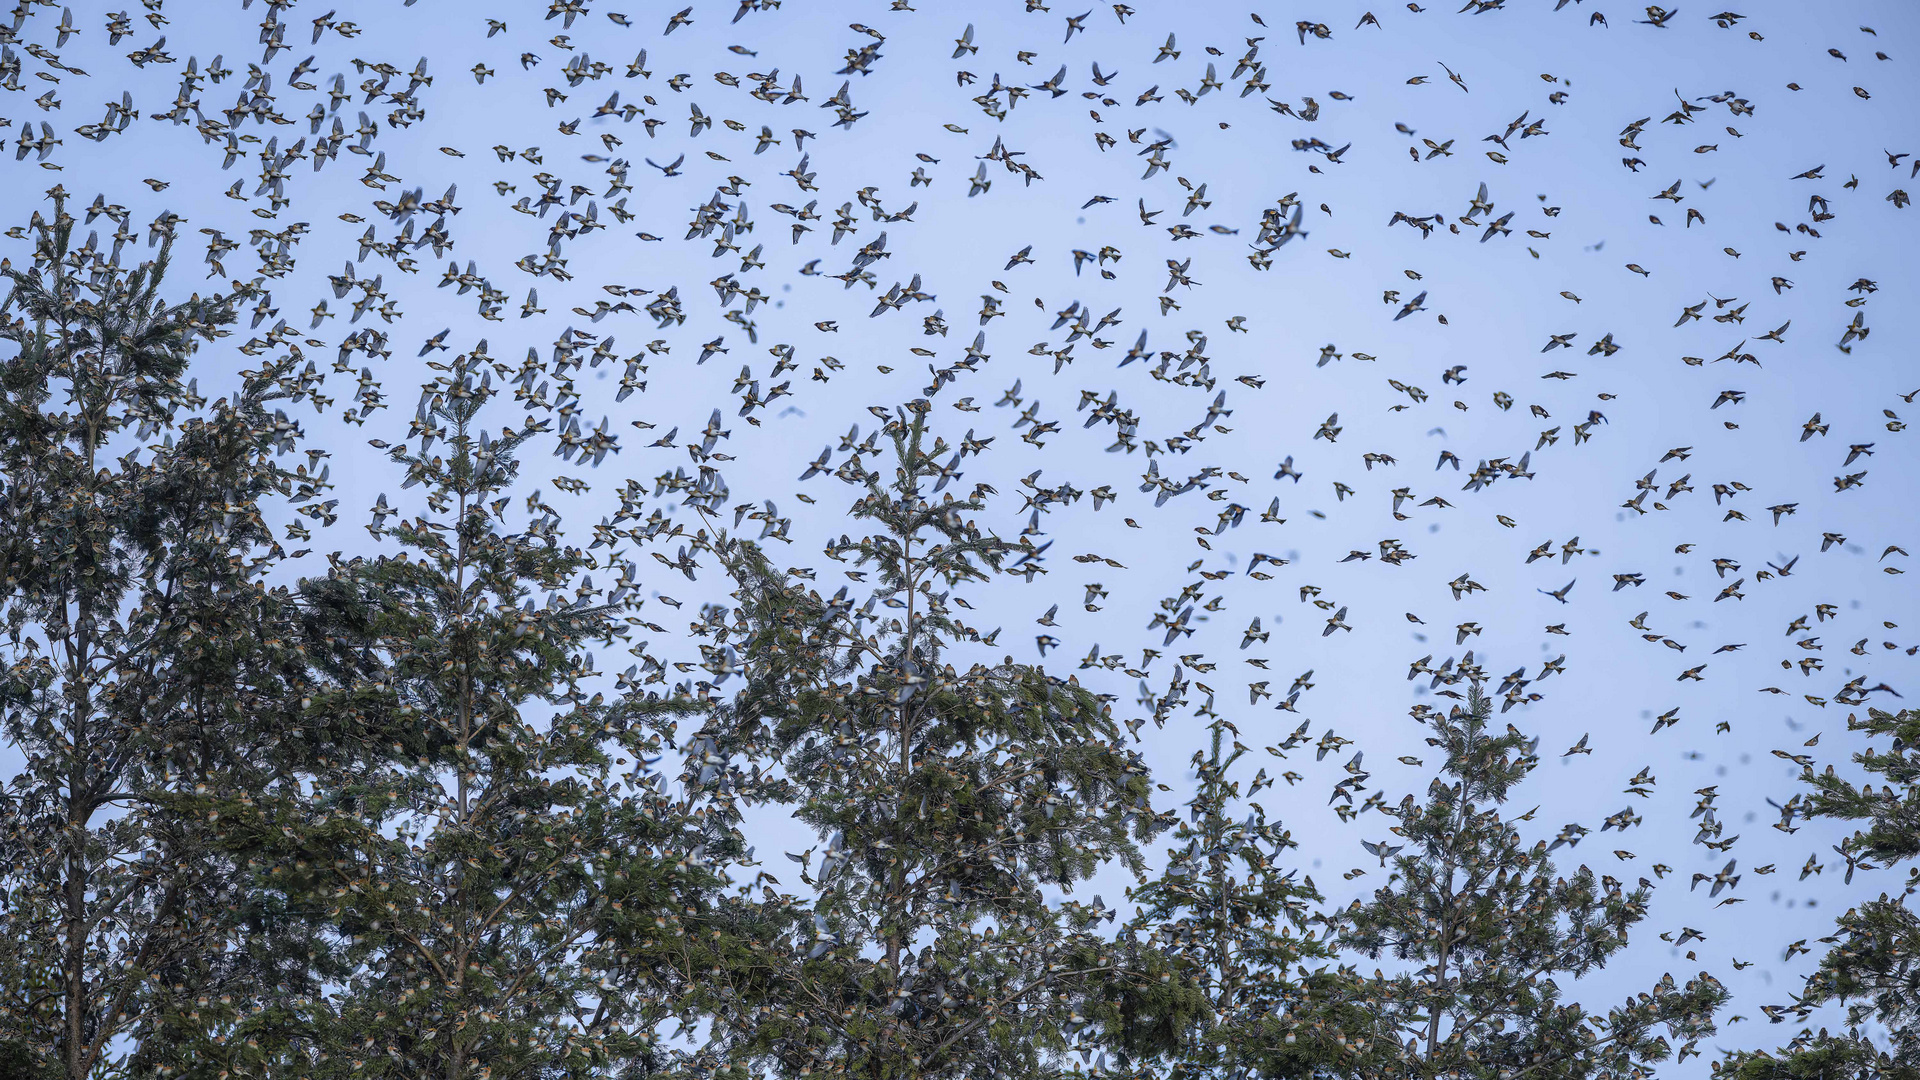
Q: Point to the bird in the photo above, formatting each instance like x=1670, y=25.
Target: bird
x=1136, y=430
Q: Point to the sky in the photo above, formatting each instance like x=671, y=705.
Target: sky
x=1581, y=221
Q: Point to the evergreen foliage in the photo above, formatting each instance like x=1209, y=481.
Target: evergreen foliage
x=505, y=890
x=953, y=801
x=1482, y=929
x=1236, y=923
x=1873, y=965
x=383, y=822
x=145, y=656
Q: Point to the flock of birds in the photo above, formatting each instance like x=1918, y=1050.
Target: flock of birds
x=1232, y=541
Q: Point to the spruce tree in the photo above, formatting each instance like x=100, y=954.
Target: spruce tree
x=1873, y=966
x=950, y=798
x=1239, y=925
x=508, y=891
x=142, y=650
x=1481, y=928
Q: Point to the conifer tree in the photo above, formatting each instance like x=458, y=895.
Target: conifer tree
x=142, y=649
x=1481, y=927
x=1873, y=968
x=508, y=890
x=1238, y=924
x=950, y=798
